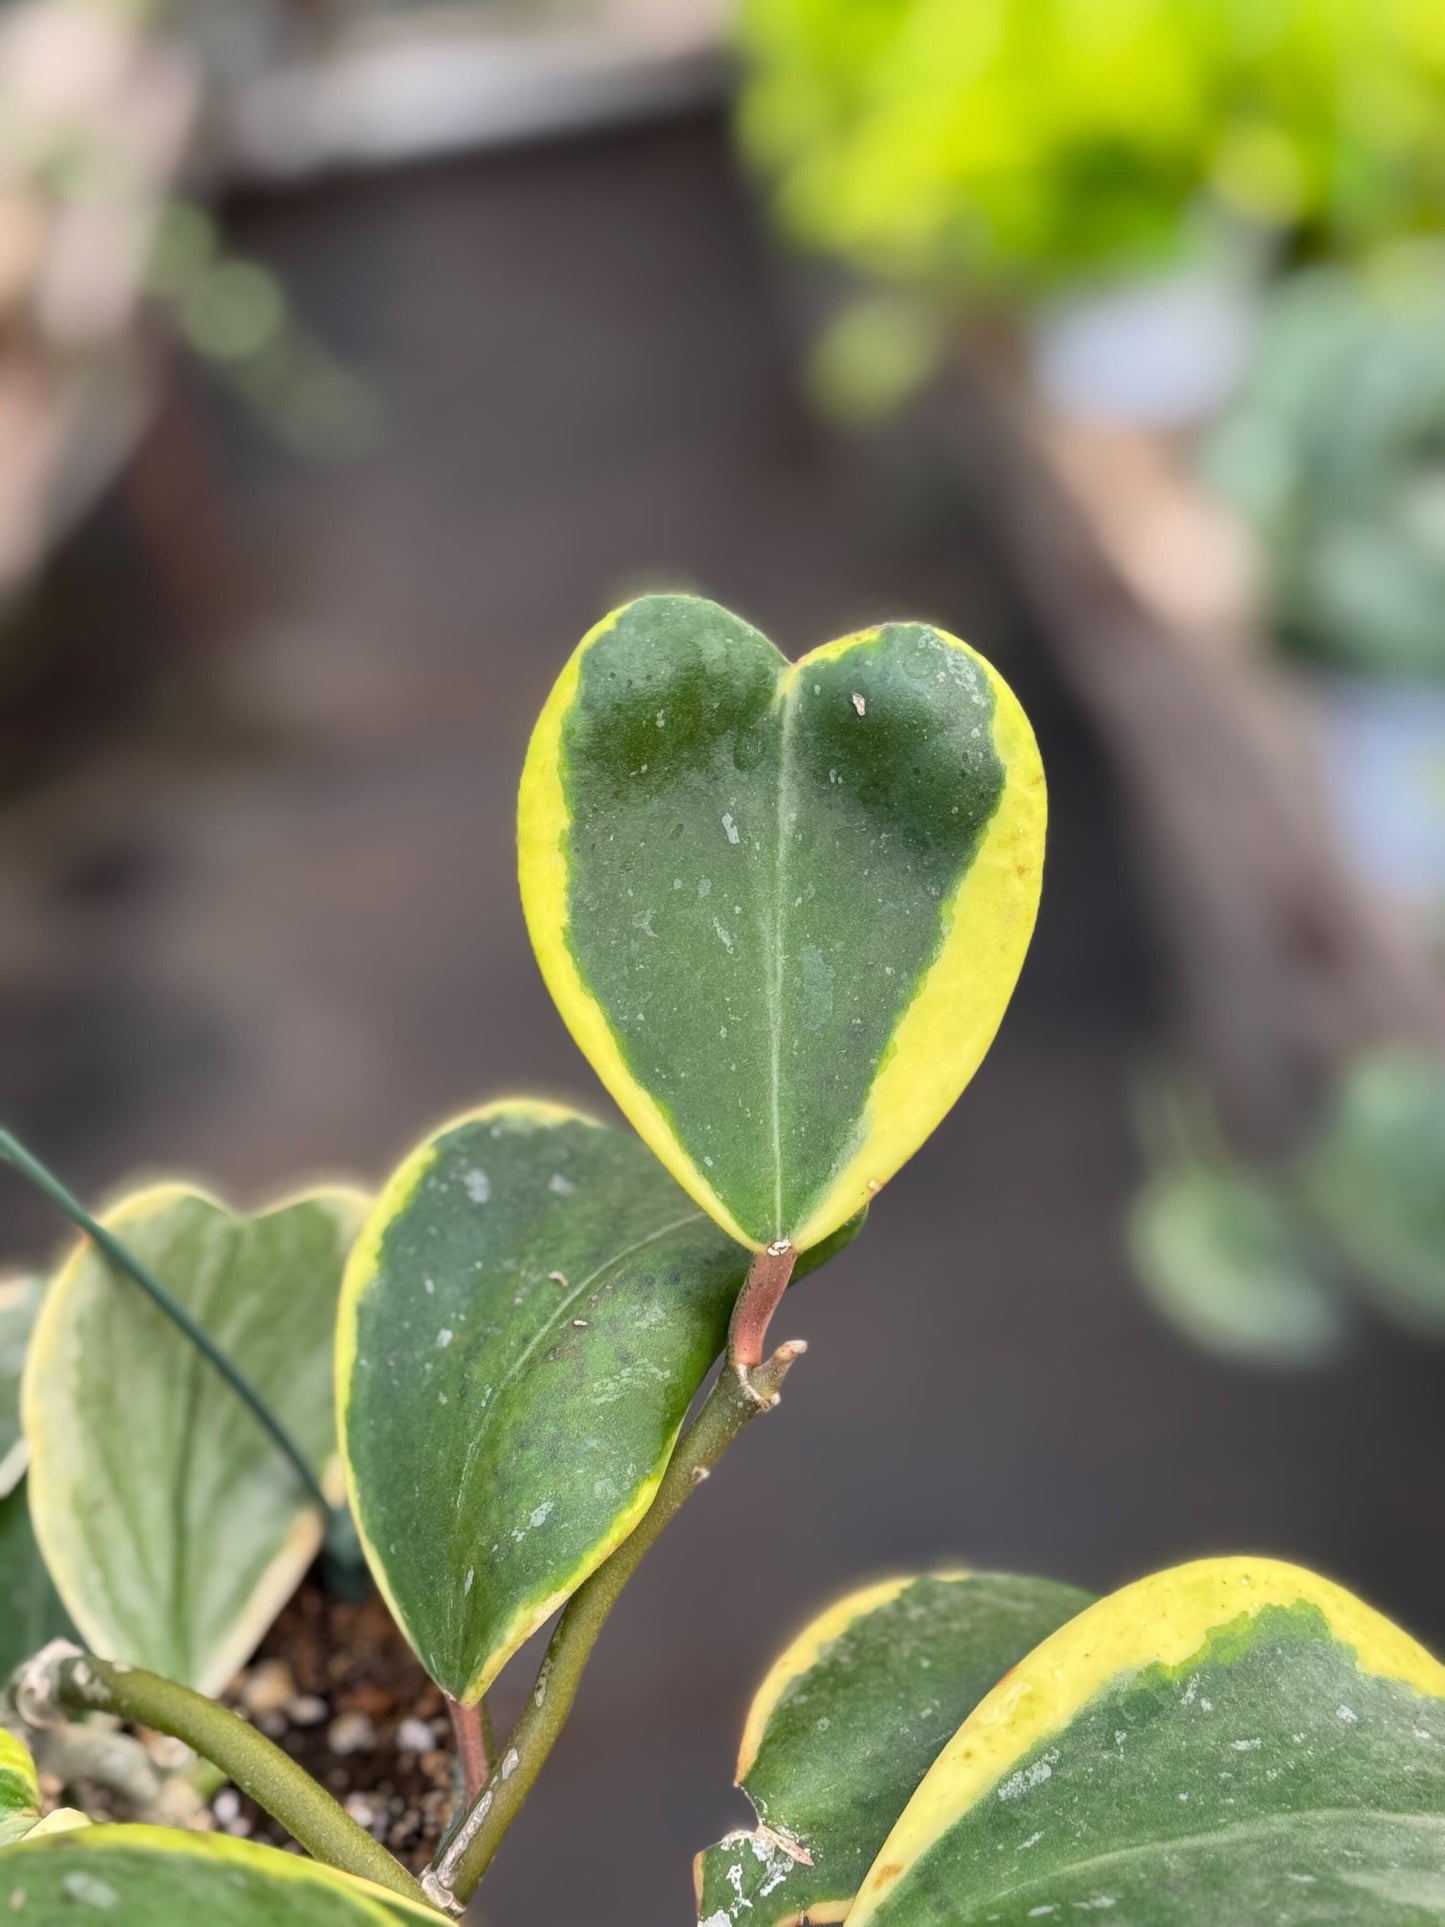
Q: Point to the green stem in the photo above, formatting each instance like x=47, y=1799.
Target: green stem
x=271, y=1777
x=15, y=1153
x=736, y=1398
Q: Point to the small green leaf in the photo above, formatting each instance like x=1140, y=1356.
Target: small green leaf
x=848, y=1722
x=1225, y=1260
x=781, y=906
x=1230, y=1741
x=161, y=1877
x=31, y=1613
x=19, y=1790
x=526, y=1318
x=173, y=1526
x=1377, y=1180
x=19, y=1303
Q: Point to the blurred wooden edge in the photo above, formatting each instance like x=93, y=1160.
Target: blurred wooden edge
x=1147, y=595
x=452, y=79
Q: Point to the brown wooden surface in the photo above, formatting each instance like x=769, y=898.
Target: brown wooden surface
x=1149, y=600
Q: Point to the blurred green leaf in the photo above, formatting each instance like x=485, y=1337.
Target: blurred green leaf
x=31, y=1612
x=19, y=1790
x=173, y=1526
x=1225, y=1259
x=1377, y=1180
x=125, y=1876
x=872, y=358
x=1026, y=144
x=19, y=1303
x=1335, y=452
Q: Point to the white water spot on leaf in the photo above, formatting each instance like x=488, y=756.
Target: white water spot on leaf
x=720, y=1919
x=542, y=1513
x=430, y=1286
x=1028, y=1777
x=704, y=886
x=479, y=1186
x=563, y=1187
x=1247, y=1746
x=88, y=1890
x=467, y=1582
x=1348, y=1715
x=725, y=936
x=730, y=827
x=445, y=1337
x=1032, y=1841
x=859, y=704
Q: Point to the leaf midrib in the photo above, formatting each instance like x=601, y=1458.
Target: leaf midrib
x=774, y=989
x=554, y=1322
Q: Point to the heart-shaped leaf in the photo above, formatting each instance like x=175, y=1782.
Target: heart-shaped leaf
x=527, y=1315
x=1224, y=1257
x=1377, y=1180
x=19, y=1304
x=31, y=1614
x=781, y=907
x=19, y=1790
x=847, y=1723
x=161, y=1877
x=1230, y=1741
x=174, y=1528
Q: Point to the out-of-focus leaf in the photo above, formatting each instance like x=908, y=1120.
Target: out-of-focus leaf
x=172, y=1525
x=1225, y=1259
x=162, y=1877
x=19, y=1790
x=1377, y=1180
x=846, y=1724
x=526, y=1318
x=1231, y=1741
x=31, y=1613
x=781, y=906
x=19, y=1303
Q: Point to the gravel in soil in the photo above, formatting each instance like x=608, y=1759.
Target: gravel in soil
x=337, y=1686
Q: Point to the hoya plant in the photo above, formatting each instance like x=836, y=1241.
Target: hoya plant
x=782, y=908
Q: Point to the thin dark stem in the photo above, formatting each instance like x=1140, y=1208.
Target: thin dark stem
x=736, y=1398
x=472, y=1749
x=15, y=1153
x=61, y=1677
x=757, y=1301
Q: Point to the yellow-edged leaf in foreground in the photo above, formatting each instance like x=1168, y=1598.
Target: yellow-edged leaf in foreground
x=1235, y=1740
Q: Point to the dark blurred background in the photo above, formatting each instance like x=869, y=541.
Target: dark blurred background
x=327, y=441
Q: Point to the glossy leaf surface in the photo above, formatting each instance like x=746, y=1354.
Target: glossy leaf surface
x=19, y=1303
x=1377, y=1179
x=526, y=1318
x=1226, y=1260
x=31, y=1613
x=173, y=1526
x=847, y=1723
x=1235, y=1740
x=19, y=1790
x=781, y=906
x=161, y=1877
